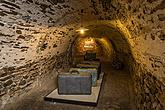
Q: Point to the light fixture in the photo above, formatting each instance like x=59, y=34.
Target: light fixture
x=82, y=30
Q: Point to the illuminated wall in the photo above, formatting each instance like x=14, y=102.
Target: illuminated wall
x=85, y=44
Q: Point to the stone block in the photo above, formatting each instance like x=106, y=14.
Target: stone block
x=22, y=82
x=7, y=83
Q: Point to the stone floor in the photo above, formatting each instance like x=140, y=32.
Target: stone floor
x=116, y=94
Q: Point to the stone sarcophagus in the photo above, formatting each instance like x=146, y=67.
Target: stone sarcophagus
x=74, y=84
x=91, y=71
x=90, y=55
x=90, y=64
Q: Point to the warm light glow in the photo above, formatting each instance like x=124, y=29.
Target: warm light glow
x=82, y=30
x=89, y=43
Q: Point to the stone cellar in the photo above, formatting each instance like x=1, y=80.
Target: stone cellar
x=39, y=39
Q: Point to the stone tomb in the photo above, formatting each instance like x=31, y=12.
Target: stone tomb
x=89, y=100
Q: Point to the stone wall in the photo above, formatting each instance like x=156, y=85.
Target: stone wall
x=35, y=36
x=34, y=32
x=34, y=39
x=144, y=20
x=150, y=91
x=19, y=80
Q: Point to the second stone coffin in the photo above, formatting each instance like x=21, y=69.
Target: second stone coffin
x=74, y=84
x=90, y=71
x=90, y=64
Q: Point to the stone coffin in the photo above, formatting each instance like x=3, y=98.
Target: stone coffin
x=90, y=64
x=90, y=56
x=88, y=100
x=74, y=84
x=91, y=71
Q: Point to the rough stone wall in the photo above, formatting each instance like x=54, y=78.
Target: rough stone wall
x=19, y=80
x=148, y=31
x=149, y=90
x=34, y=39
x=145, y=21
x=35, y=32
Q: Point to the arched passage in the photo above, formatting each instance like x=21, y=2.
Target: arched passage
x=34, y=36
x=114, y=46
x=112, y=33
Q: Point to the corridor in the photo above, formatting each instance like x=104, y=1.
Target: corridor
x=41, y=38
